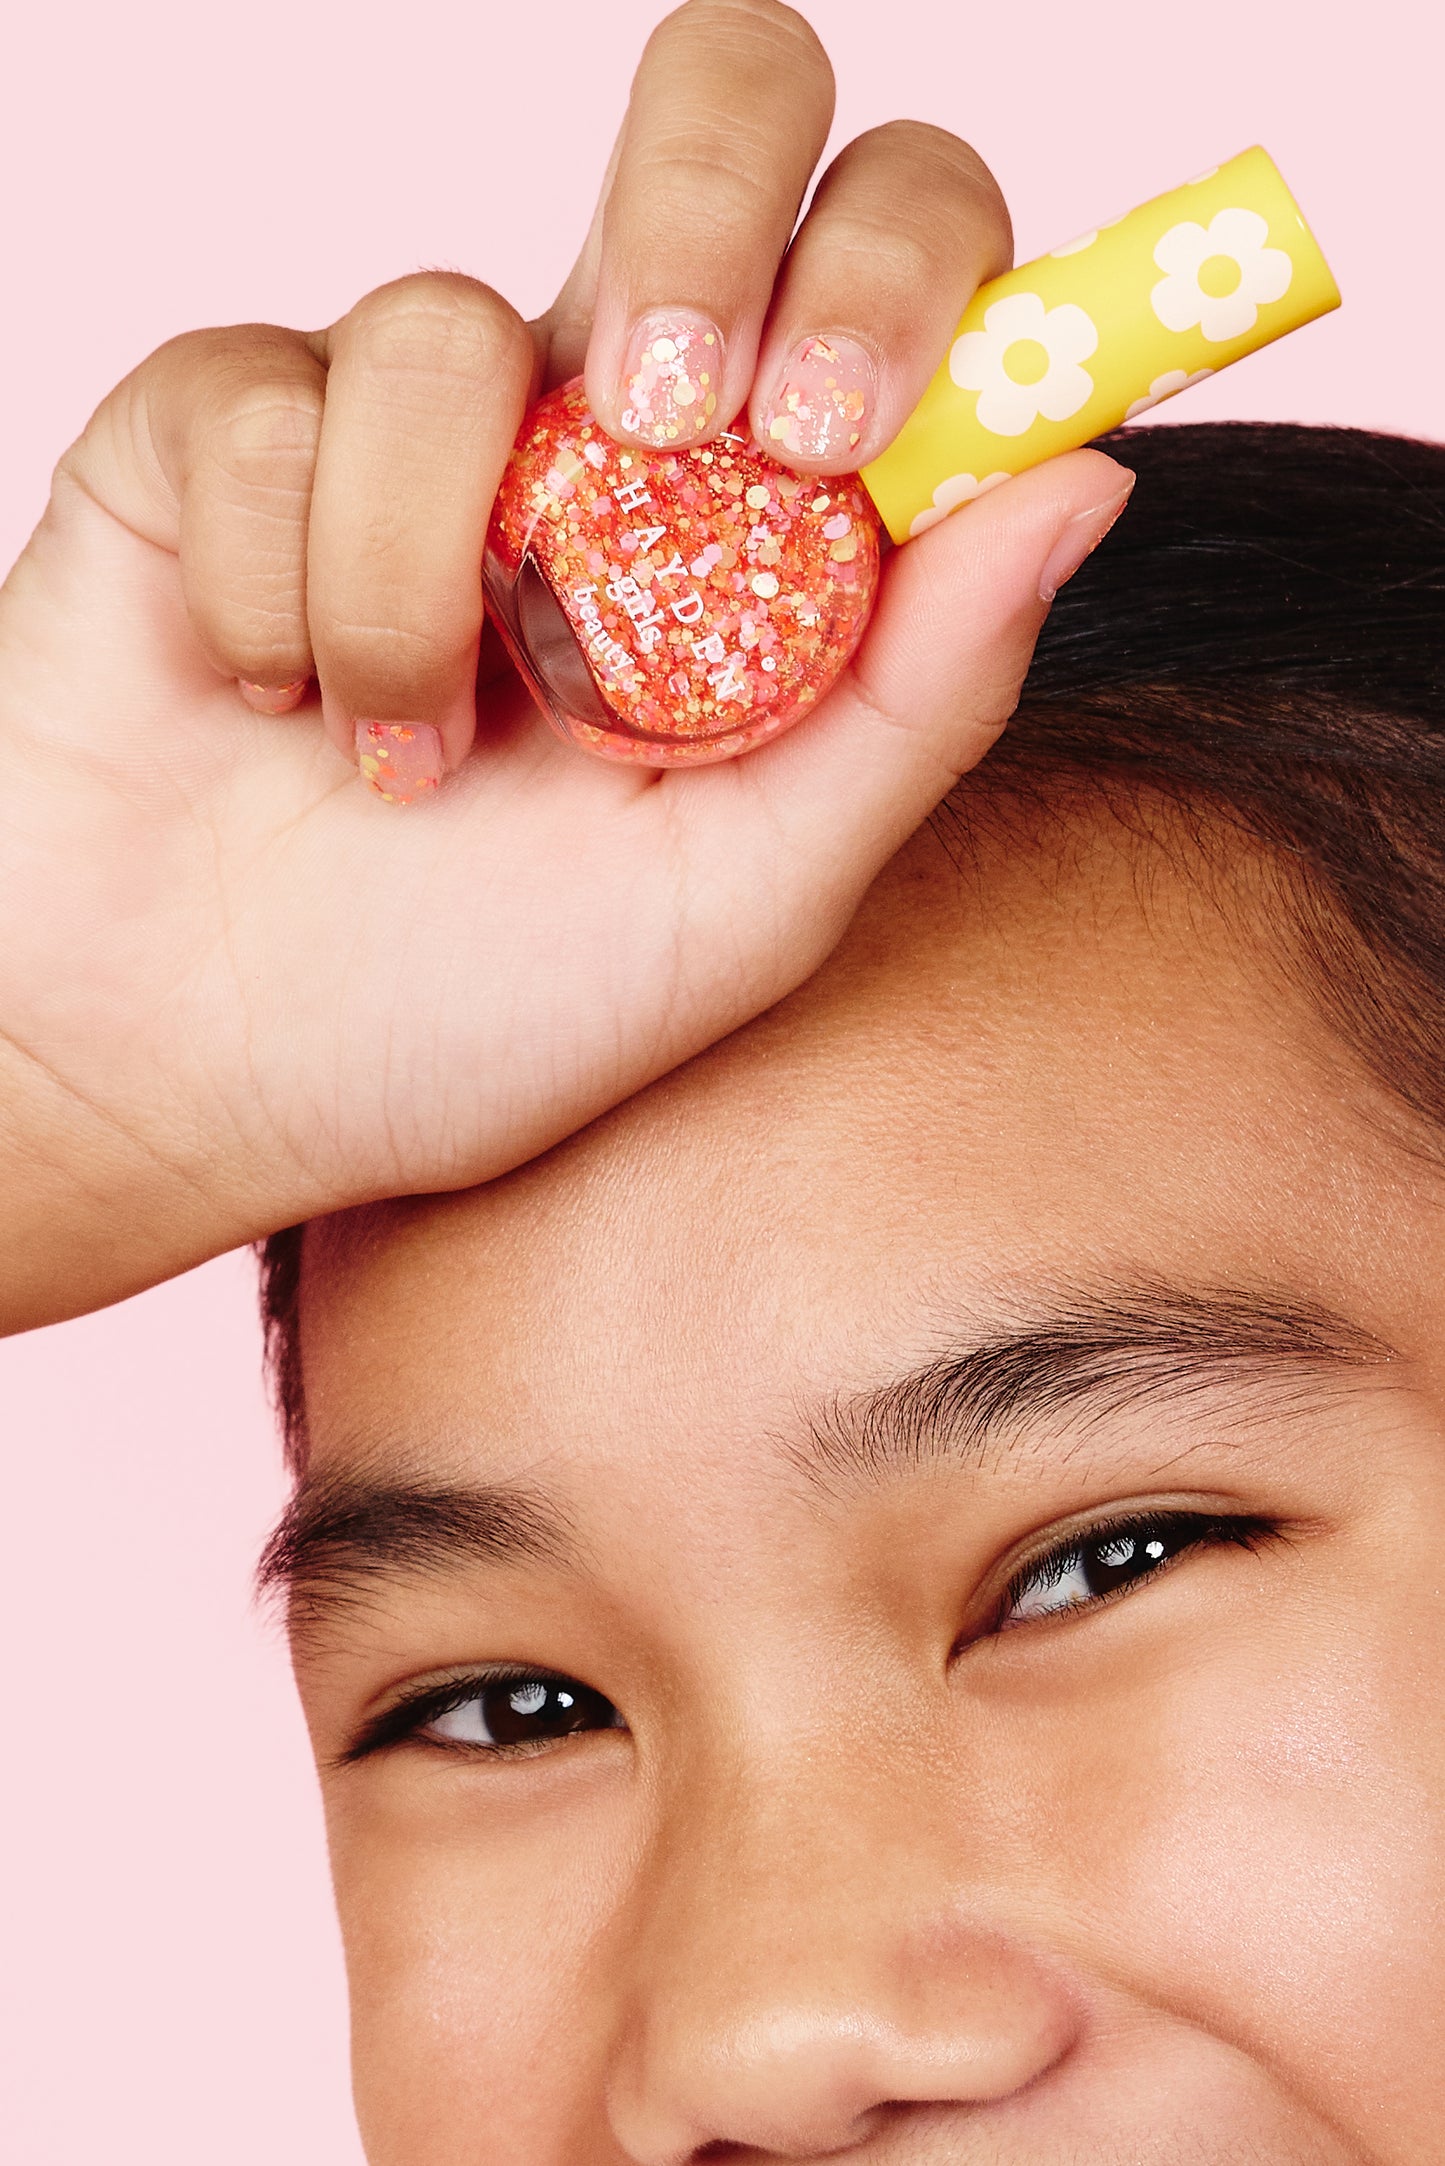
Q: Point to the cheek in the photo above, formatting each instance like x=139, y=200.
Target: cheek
x=477, y=1939
x=1256, y=1842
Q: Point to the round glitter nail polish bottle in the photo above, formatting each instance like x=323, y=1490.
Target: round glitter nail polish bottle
x=674, y=608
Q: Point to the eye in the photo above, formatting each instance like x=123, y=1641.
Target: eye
x=521, y=1711
x=506, y=1712
x=1111, y=1559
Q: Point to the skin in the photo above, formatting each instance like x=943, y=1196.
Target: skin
x=1192, y=1928
x=256, y=993
x=863, y=1874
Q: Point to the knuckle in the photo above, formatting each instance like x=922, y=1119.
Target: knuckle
x=894, y=261
x=247, y=603
x=261, y=438
x=934, y=151
x=440, y=326
x=730, y=108
x=710, y=188
x=922, y=180
x=401, y=658
x=157, y=432
x=268, y=645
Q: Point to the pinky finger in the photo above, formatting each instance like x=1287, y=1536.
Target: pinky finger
x=273, y=699
x=242, y=452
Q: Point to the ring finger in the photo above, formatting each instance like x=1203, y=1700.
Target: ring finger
x=904, y=226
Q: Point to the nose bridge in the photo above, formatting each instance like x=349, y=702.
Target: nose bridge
x=758, y=1802
x=790, y=1859
x=807, y=1946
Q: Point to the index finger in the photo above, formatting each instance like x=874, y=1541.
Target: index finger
x=730, y=109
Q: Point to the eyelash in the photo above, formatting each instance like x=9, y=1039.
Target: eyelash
x=1188, y=1531
x=409, y=1717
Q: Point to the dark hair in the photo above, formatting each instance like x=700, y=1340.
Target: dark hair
x=1261, y=639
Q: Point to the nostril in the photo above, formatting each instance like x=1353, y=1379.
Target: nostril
x=721, y=2152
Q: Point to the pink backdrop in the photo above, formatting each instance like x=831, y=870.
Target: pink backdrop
x=172, y=1984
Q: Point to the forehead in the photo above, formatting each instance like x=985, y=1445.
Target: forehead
x=1075, y=1056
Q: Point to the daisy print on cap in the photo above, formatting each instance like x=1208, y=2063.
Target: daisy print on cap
x=1026, y=362
x=1165, y=387
x=1218, y=275
x=1059, y=351
x=958, y=489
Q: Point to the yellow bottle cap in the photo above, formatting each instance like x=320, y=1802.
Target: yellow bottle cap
x=1064, y=349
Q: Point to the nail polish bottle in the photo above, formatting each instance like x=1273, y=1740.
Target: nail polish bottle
x=678, y=608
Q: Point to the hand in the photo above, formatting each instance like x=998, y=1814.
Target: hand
x=236, y=988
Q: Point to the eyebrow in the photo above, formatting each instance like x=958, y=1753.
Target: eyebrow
x=342, y=1533
x=1091, y=1356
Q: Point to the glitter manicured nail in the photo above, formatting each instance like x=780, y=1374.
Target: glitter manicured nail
x=273, y=698
x=821, y=404
x=401, y=761
x=671, y=380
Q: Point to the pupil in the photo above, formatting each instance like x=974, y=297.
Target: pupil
x=1118, y=1558
x=537, y=1708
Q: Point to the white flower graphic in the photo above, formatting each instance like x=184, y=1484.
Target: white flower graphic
x=1025, y=362
x=958, y=489
x=1077, y=246
x=1164, y=387
x=1218, y=275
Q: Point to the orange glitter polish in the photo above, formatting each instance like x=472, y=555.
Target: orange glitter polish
x=272, y=699
x=671, y=379
x=400, y=761
x=822, y=401
x=673, y=608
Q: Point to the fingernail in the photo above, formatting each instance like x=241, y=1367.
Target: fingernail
x=1080, y=538
x=401, y=761
x=273, y=698
x=671, y=379
x=823, y=400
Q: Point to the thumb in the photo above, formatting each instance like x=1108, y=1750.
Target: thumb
x=939, y=671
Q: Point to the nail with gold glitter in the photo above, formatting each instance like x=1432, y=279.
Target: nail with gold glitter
x=671, y=379
x=823, y=400
x=272, y=698
x=401, y=761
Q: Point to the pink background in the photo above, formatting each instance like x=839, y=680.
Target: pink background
x=171, y=1982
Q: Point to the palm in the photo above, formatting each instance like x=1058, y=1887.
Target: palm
x=229, y=930
x=227, y=961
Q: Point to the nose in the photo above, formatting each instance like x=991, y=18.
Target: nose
x=804, y=1977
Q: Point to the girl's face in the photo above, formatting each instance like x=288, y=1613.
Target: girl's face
x=887, y=1599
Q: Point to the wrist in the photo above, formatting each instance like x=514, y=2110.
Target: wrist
x=94, y=1209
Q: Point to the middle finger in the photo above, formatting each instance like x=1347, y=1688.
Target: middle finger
x=730, y=109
